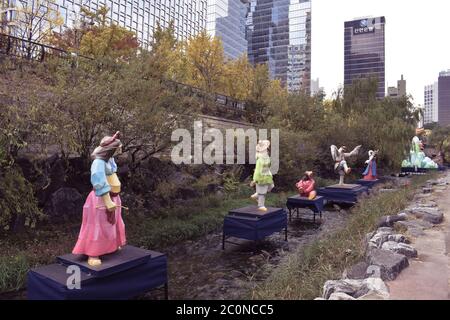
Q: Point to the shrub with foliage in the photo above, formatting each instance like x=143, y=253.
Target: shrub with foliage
x=18, y=206
x=13, y=272
x=309, y=126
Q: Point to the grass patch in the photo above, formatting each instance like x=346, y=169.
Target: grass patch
x=13, y=272
x=20, y=252
x=301, y=275
x=201, y=217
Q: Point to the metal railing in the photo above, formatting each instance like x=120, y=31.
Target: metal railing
x=219, y=99
x=30, y=50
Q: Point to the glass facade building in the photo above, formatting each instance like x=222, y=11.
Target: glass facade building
x=226, y=20
x=279, y=34
x=431, y=103
x=444, y=98
x=141, y=16
x=364, y=51
x=6, y=14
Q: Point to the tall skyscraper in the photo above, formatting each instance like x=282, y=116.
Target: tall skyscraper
x=226, y=20
x=401, y=86
x=140, y=16
x=444, y=98
x=279, y=34
x=364, y=53
x=430, y=103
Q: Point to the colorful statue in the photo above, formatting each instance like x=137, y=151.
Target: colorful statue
x=262, y=178
x=307, y=186
x=102, y=230
x=417, y=158
x=340, y=164
x=370, y=174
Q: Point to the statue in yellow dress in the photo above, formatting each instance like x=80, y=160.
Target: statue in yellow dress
x=262, y=177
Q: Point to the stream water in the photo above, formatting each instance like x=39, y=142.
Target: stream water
x=202, y=270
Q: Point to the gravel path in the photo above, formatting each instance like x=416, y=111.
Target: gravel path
x=428, y=276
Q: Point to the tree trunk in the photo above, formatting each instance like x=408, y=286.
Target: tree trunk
x=17, y=223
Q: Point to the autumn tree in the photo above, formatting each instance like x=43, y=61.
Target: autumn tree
x=205, y=59
x=265, y=95
x=238, y=78
x=35, y=21
x=107, y=39
x=80, y=104
x=166, y=58
x=69, y=39
x=147, y=112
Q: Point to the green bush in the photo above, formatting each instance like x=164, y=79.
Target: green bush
x=17, y=202
x=165, y=190
x=231, y=180
x=202, y=183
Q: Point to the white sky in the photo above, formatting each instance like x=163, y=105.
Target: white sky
x=417, y=40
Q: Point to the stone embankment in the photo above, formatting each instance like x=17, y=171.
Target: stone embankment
x=390, y=249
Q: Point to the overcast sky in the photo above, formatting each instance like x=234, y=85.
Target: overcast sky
x=417, y=40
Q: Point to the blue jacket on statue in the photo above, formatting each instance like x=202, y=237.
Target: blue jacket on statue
x=99, y=170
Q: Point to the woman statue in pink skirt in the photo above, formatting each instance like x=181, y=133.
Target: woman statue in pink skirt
x=102, y=230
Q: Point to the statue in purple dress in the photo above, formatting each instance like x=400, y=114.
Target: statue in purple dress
x=102, y=230
x=370, y=174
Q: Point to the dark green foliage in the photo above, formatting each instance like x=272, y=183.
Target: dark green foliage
x=309, y=126
x=440, y=138
x=18, y=206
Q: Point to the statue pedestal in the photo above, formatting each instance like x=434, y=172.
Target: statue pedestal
x=297, y=202
x=122, y=275
x=422, y=170
x=251, y=224
x=368, y=183
x=347, y=193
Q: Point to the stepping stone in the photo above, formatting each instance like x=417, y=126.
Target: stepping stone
x=357, y=271
x=400, y=248
x=340, y=296
x=390, y=263
x=431, y=215
x=388, y=221
x=427, y=190
x=346, y=286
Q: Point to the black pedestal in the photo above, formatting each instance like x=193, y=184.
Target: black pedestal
x=251, y=224
x=123, y=275
x=368, y=183
x=297, y=202
x=343, y=194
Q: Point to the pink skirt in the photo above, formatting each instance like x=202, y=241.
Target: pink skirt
x=98, y=236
